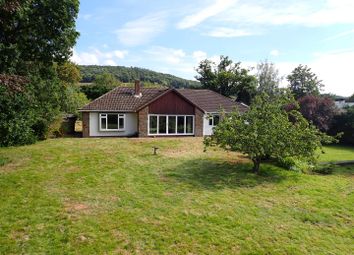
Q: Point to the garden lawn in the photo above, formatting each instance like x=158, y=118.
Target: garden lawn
x=112, y=196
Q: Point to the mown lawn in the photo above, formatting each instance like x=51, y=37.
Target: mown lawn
x=112, y=196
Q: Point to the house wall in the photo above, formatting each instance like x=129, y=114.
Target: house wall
x=171, y=103
x=143, y=122
x=85, y=124
x=207, y=129
x=131, y=126
x=198, y=122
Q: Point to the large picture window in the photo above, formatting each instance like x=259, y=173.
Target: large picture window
x=112, y=122
x=171, y=124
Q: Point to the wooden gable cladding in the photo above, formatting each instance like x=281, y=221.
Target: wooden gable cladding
x=171, y=103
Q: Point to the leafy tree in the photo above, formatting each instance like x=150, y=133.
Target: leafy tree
x=268, y=78
x=105, y=80
x=227, y=78
x=33, y=35
x=304, y=82
x=68, y=73
x=41, y=31
x=268, y=130
x=344, y=123
x=320, y=111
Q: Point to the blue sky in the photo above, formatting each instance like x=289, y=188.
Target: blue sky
x=173, y=36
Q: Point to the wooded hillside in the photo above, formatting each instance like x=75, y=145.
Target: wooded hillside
x=129, y=74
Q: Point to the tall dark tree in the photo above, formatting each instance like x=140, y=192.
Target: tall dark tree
x=302, y=82
x=41, y=31
x=34, y=34
x=344, y=123
x=227, y=78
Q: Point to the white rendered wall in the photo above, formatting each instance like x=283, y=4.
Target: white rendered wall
x=130, y=129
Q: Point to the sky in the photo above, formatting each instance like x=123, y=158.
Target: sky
x=174, y=36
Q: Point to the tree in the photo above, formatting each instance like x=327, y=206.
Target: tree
x=268, y=129
x=268, y=78
x=105, y=80
x=34, y=34
x=344, y=123
x=320, y=111
x=227, y=78
x=304, y=82
x=39, y=31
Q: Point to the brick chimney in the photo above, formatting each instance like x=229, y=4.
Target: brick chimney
x=137, y=90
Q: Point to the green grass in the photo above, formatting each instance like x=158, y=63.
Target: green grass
x=112, y=196
x=337, y=153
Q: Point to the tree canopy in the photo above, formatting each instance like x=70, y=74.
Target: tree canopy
x=268, y=78
x=227, y=78
x=268, y=129
x=36, y=39
x=302, y=82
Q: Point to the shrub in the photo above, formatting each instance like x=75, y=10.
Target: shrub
x=296, y=164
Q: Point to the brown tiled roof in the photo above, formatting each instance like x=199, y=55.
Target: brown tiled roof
x=211, y=101
x=122, y=99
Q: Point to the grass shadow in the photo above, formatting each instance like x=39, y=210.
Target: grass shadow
x=218, y=174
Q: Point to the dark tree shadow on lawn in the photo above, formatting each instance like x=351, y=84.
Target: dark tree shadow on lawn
x=217, y=174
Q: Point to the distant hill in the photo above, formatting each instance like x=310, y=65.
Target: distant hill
x=129, y=74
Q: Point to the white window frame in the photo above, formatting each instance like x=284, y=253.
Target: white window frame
x=167, y=117
x=211, y=118
x=105, y=116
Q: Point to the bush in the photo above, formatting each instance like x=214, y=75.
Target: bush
x=296, y=164
x=344, y=123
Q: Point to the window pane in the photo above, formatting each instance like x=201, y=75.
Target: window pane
x=153, y=124
x=121, y=122
x=189, y=124
x=210, y=121
x=162, y=124
x=112, y=121
x=172, y=124
x=103, y=122
x=180, y=124
x=216, y=119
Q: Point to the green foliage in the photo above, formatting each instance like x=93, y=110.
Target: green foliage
x=105, y=80
x=93, y=91
x=38, y=31
x=304, y=82
x=73, y=99
x=268, y=78
x=227, y=78
x=296, y=164
x=3, y=161
x=267, y=129
x=69, y=73
x=344, y=123
x=130, y=74
x=33, y=36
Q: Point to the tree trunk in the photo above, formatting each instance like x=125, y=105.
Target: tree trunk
x=256, y=164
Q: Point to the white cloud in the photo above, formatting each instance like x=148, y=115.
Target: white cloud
x=305, y=13
x=340, y=35
x=110, y=62
x=167, y=55
x=198, y=17
x=199, y=55
x=274, y=53
x=142, y=30
x=228, y=32
x=97, y=57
